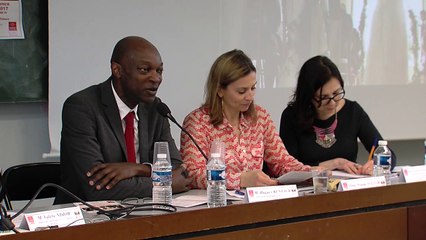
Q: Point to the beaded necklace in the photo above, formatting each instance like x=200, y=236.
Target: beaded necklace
x=325, y=136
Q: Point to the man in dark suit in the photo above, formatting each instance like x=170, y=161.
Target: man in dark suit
x=95, y=162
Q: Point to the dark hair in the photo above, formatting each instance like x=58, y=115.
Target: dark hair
x=314, y=73
x=228, y=68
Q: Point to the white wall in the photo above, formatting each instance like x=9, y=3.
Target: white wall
x=279, y=35
x=23, y=133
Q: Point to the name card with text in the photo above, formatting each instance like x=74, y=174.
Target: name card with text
x=360, y=183
x=260, y=194
x=414, y=174
x=52, y=219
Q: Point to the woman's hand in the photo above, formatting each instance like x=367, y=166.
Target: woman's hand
x=319, y=168
x=256, y=179
x=367, y=168
x=342, y=164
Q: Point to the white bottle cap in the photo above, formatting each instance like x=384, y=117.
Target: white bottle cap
x=383, y=143
x=215, y=155
x=161, y=155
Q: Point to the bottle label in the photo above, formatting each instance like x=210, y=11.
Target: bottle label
x=161, y=176
x=216, y=175
x=385, y=160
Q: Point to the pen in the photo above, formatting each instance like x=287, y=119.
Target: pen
x=239, y=192
x=370, y=157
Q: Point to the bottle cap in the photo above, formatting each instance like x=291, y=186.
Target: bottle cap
x=215, y=155
x=161, y=155
x=383, y=143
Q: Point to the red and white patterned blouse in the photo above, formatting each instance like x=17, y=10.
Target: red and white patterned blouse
x=258, y=142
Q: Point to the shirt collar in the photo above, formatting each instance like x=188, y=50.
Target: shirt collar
x=122, y=107
x=225, y=123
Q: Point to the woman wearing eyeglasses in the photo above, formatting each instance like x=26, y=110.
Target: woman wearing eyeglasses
x=321, y=127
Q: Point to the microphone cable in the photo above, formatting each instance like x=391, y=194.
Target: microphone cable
x=112, y=214
x=133, y=205
x=6, y=222
x=164, y=111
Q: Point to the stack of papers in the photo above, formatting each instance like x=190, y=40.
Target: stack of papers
x=344, y=175
x=297, y=176
x=187, y=201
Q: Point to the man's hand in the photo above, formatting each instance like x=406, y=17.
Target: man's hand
x=107, y=175
x=180, y=181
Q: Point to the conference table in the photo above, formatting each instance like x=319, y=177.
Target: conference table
x=391, y=212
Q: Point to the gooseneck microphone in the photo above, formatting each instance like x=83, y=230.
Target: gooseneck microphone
x=164, y=111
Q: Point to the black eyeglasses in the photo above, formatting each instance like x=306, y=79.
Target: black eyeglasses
x=326, y=100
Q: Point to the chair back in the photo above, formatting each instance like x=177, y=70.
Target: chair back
x=21, y=182
x=2, y=192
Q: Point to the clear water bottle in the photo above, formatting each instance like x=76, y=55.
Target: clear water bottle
x=382, y=161
x=216, y=176
x=425, y=151
x=161, y=174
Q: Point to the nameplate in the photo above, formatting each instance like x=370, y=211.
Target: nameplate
x=360, y=183
x=52, y=219
x=260, y=194
x=414, y=174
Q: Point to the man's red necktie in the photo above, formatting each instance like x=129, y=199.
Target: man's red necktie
x=129, y=135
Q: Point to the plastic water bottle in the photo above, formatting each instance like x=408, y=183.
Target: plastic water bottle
x=425, y=151
x=382, y=161
x=161, y=174
x=216, y=176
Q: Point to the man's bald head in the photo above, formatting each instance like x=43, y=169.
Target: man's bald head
x=124, y=47
x=136, y=70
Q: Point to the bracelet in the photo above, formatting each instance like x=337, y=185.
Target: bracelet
x=149, y=164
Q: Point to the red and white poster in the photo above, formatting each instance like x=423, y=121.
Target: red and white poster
x=11, y=19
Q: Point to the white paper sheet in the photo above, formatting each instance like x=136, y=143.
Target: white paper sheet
x=294, y=177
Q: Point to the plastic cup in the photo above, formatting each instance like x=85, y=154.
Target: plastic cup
x=320, y=180
x=218, y=147
x=161, y=150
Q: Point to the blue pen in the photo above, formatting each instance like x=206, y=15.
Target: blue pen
x=239, y=192
x=376, y=139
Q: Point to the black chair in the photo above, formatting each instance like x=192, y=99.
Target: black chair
x=21, y=182
x=1, y=187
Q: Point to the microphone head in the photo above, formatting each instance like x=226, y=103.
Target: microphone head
x=163, y=109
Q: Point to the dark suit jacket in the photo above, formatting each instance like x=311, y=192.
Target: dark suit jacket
x=92, y=133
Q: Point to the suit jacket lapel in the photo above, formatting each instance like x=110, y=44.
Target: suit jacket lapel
x=143, y=132
x=112, y=113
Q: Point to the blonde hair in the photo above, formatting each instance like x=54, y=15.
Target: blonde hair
x=228, y=68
